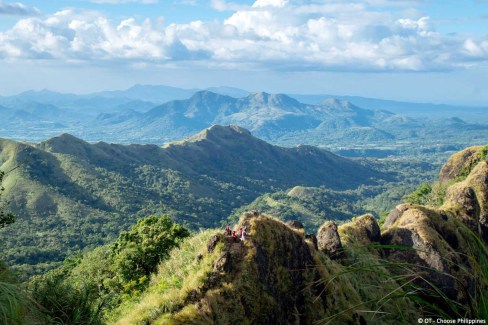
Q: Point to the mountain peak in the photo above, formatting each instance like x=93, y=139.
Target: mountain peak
x=65, y=137
x=228, y=128
x=64, y=143
x=261, y=94
x=279, y=100
x=220, y=131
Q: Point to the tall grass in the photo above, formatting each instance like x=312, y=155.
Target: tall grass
x=478, y=258
x=16, y=306
x=176, y=278
x=11, y=305
x=64, y=304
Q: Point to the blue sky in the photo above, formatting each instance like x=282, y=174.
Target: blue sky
x=434, y=51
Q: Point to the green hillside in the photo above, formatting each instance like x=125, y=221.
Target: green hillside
x=423, y=262
x=313, y=205
x=70, y=195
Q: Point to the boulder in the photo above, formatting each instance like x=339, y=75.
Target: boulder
x=328, y=240
x=459, y=164
x=395, y=214
x=462, y=199
x=360, y=230
x=213, y=241
x=428, y=240
x=469, y=199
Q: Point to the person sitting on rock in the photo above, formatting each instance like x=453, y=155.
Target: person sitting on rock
x=234, y=235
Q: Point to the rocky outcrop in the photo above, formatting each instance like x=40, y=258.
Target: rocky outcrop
x=270, y=278
x=361, y=230
x=395, y=214
x=460, y=164
x=436, y=241
x=329, y=241
x=429, y=241
x=469, y=200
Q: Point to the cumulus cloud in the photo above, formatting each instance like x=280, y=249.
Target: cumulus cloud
x=17, y=9
x=273, y=34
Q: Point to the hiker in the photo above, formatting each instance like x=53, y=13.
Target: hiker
x=243, y=236
x=240, y=232
x=234, y=235
x=227, y=230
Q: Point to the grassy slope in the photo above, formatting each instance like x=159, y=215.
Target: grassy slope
x=269, y=279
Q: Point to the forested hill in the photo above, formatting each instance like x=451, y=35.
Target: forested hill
x=69, y=194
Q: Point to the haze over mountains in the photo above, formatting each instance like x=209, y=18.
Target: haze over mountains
x=159, y=114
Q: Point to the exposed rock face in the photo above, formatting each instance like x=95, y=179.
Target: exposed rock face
x=371, y=226
x=267, y=279
x=329, y=241
x=439, y=236
x=395, y=214
x=213, y=241
x=463, y=198
x=361, y=230
x=434, y=238
x=458, y=163
x=469, y=199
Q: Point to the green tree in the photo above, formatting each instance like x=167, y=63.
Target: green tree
x=139, y=250
x=420, y=195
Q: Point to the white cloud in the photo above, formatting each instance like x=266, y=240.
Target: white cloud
x=17, y=9
x=272, y=34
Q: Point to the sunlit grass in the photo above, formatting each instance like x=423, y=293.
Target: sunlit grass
x=175, y=279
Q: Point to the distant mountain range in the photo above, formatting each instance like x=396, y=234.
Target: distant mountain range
x=266, y=115
x=69, y=194
x=159, y=114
